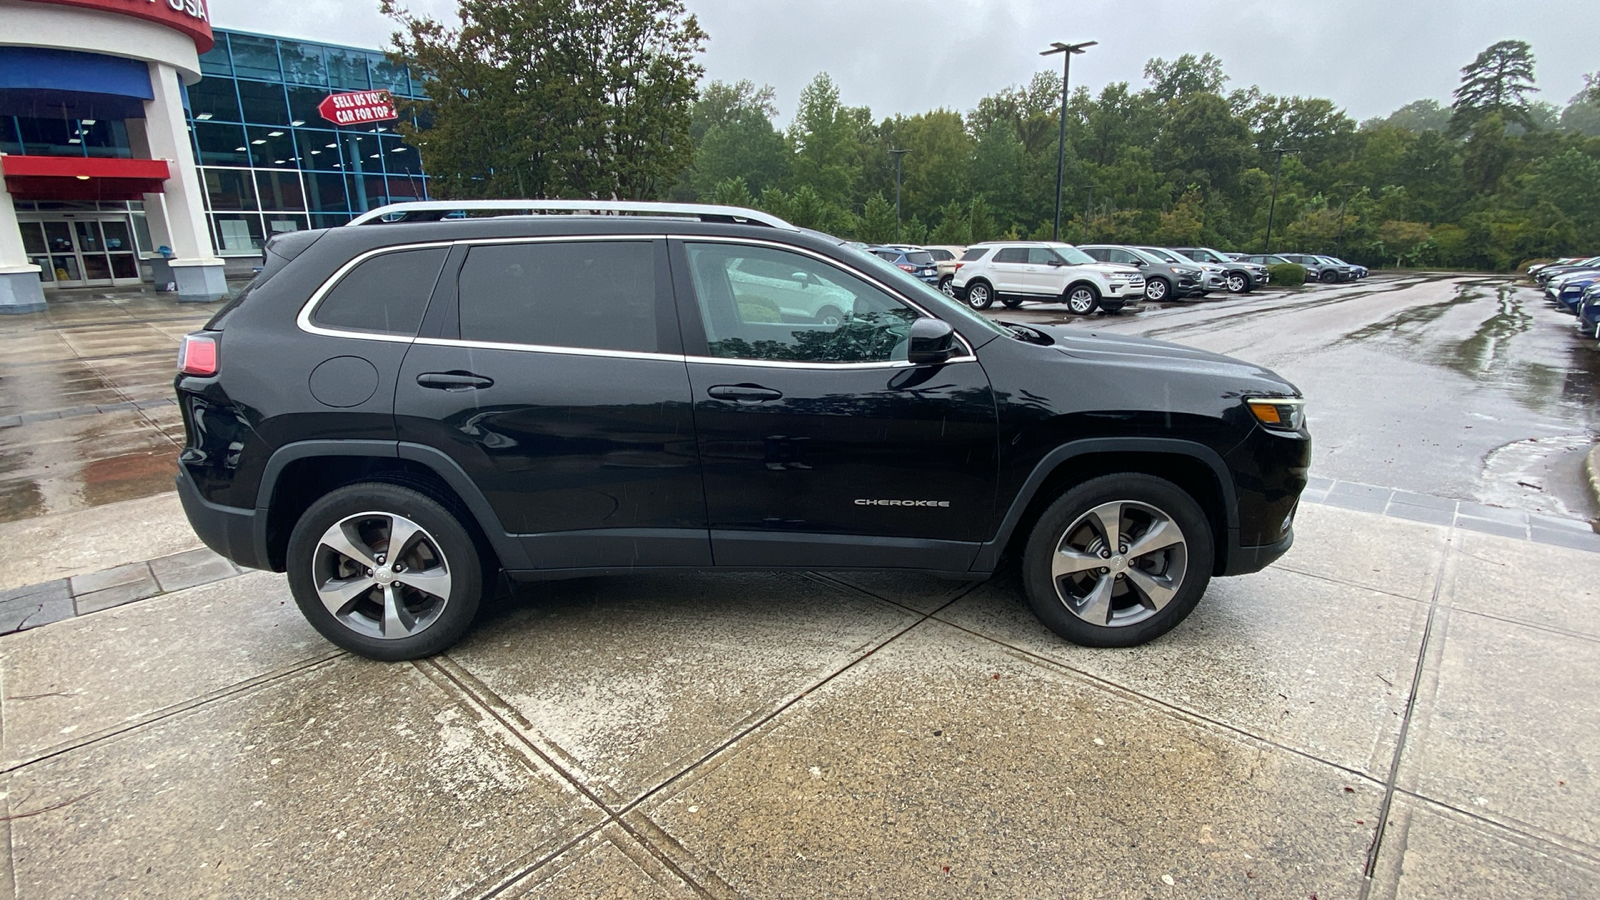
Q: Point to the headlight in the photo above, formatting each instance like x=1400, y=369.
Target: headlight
x=1185, y=270
x=1121, y=276
x=1278, y=413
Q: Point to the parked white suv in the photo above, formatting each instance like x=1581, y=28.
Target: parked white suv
x=1046, y=271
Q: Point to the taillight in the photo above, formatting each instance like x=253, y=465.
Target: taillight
x=907, y=268
x=198, y=355
x=959, y=265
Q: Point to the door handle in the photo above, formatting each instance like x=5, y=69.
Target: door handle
x=454, y=381
x=744, y=393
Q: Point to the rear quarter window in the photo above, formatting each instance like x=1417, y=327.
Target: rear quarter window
x=975, y=254
x=384, y=294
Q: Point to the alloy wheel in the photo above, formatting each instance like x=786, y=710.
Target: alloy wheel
x=381, y=575
x=979, y=297
x=1081, y=301
x=1119, y=563
x=1237, y=283
x=1155, y=289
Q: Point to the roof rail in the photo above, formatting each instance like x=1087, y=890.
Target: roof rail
x=434, y=210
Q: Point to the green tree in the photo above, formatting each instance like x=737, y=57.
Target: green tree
x=1498, y=81
x=1402, y=239
x=877, y=221
x=955, y=225
x=825, y=138
x=1185, y=76
x=981, y=224
x=538, y=98
x=732, y=128
x=1419, y=115
x=732, y=192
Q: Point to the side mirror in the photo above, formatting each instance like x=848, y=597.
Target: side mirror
x=1058, y=263
x=804, y=278
x=1140, y=263
x=931, y=342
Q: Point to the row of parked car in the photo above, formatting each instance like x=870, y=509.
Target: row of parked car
x=1090, y=277
x=1573, y=286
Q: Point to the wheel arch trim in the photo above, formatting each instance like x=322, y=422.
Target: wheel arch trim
x=989, y=554
x=508, y=549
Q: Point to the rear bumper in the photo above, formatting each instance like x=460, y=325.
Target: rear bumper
x=1245, y=560
x=228, y=530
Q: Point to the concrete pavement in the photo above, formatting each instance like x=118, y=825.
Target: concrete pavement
x=1396, y=709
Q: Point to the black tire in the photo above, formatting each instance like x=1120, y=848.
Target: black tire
x=1010, y=301
x=1082, y=299
x=1329, y=276
x=947, y=286
x=1238, y=283
x=1132, y=617
x=1157, y=289
x=827, y=313
x=441, y=551
x=980, y=295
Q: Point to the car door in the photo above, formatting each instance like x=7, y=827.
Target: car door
x=1047, y=274
x=1009, y=271
x=551, y=375
x=822, y=446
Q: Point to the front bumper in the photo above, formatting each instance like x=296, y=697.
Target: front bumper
x=1245, y=560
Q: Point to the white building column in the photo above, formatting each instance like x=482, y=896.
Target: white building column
x=20, y=290
x=178, y=220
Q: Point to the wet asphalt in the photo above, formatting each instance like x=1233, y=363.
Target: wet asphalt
x=1471, y=387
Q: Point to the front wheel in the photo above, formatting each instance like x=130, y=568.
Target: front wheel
x=1118, y=560
x=980, y=295
x=1157, y=289
x=1237, y=283
x=1329, y=277
x=1082, y=299
x=385, y=572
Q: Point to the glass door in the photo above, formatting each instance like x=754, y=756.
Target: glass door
x=82, y=252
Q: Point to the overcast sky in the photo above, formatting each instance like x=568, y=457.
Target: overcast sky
x=909, y=56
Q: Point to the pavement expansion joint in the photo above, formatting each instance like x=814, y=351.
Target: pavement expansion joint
x=1440, y=579
x=1530, y=837
x=136, y=724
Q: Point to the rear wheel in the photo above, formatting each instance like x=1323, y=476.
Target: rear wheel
x=1082, y=299
x=980, y=295
x=947, y=286
x=830, y=315
x=385, y=572
x=1118, y=560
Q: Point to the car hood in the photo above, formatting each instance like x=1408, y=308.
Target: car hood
x=1097, y=346
x=1106, y=268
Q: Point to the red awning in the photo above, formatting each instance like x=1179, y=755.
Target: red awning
x=83, y=177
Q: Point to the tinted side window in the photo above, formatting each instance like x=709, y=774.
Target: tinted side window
x=975, y=253
x=1012, y=255
x=814, y=312
x=386, y=294
x=1043, y=256
x=595, y=295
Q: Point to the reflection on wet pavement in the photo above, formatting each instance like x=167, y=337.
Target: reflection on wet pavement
x=82, y=417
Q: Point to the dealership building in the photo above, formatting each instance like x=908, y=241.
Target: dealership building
x=137, y=143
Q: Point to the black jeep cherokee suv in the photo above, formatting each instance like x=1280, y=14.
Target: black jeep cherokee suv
x=394, y=413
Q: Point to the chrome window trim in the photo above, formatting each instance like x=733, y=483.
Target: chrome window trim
x=303, y=320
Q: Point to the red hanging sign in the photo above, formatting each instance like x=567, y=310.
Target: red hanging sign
x=358, y=108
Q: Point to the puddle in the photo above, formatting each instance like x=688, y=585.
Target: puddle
x=1413, y=319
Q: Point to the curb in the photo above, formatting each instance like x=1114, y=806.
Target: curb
x=1591, y=467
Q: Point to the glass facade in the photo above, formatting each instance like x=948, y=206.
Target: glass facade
x=270, y=162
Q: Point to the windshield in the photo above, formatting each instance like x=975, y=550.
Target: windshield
x=1185, y=257
x=1162, y=255
x=1074, y=256
x=930, y=297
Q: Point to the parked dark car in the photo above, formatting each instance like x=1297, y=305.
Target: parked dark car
x=1271, y=259
x=1320, y=268
x=1551, y=273
x=919, y=263
x=1359, y=271
x=1240, y=277
x=1162, y=280
x=395, y=413
x=1571, y=291
x=1589, y=312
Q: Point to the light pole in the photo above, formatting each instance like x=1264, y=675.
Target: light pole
x=1066, y=51
x=1273, y=206
x=899, y=157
